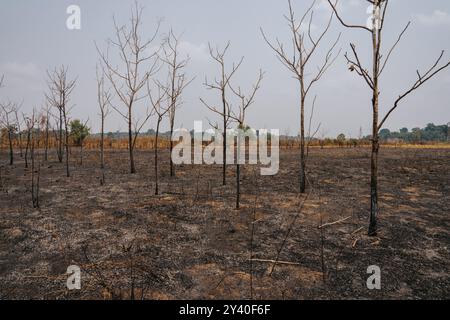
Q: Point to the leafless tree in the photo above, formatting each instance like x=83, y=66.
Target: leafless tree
x=304, y=47
x=60, y=89
x=177, y=79
x=221, y=85
x=372, y=79
x=245, y=101
x=160, y=112
x=103, y=99
x=7, y=111
x=138, y=65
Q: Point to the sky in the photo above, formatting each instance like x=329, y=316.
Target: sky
x=35, y=38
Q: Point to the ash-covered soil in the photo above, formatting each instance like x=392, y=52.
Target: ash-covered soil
x=190, y=242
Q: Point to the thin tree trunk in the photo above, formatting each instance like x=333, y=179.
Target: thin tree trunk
x=67, y=142
x=238, y=168
x=38, y=184
x=102, y=149
x=33, y=199
x=375, y=137
x=224, y=151
x=26, y=149
x=172, y=119
x=11, y=151
x=102, y=144
x=130, y=142
x=46, y=141
x=374, y=168
x=156, y=157
x=238, y=185
x=172, y=171
x=34, y=186
x=60, y=149
x=302, y=143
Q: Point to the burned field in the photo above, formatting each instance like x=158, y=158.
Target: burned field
x=190, y=242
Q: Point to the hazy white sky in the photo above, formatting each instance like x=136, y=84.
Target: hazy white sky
x=34, y=38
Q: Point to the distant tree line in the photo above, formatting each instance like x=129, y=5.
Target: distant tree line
x=431, y=133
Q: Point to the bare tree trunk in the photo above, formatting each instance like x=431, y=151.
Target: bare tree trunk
x=11, y=151
x=102, y=150
x=238, y=185
x=238, y=168
x=224, y=151
x=66, y=138
x=173, y=107
x=27, y=147
x=156, y=157
x=172, y=113
x=46, y=140
x=60, y=149
x=172, y=171
x=374, y=189
x=38, y=182
x=302, y=144
x=376, y=44
x=34, y=183
x=102, y=144
x=32, y=174
x=19, y=135
x=130, y=143
x=375, y=143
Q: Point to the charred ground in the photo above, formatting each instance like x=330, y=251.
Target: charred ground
x=189, y=242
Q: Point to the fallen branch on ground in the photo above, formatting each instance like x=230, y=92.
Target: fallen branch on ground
x=333, y=223
x=277, y=262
